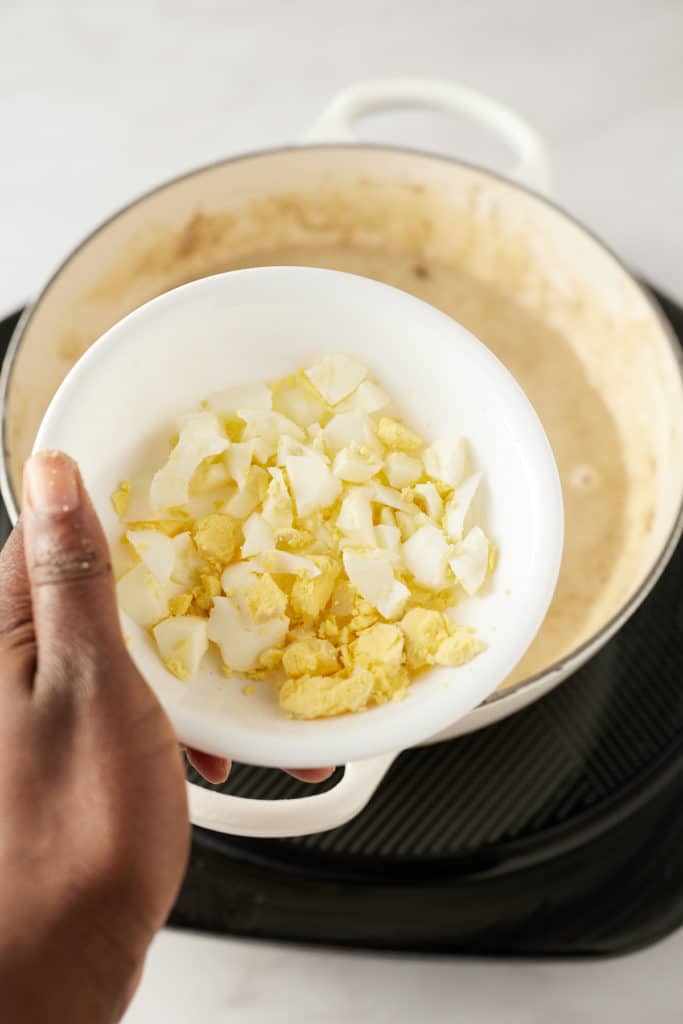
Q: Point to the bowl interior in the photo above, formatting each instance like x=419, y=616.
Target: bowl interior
x=115, y=412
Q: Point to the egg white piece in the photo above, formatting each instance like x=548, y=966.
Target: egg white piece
x=239, y=576
x=259, y=536
x=238, y=461
x=355, y=518
x=336, y=376
x=313, y=484
x=411, y=521
x=268, y=426
x=199, y=505
x=469, y=563
x=298, y=404
x=389, y=539
x=187, y=561
x=433, y=502
x=143, y=597
x=247, y=396
x=425, y=555
x=387, y=517
x=317, y=440
x=346, y=428
x=277, y=506
x=184, y=640
x=446, y=460
x=241, y=641
x=155, y=550
x=284, y=561
x=200, y=437
x=387, y=496
x=459, y=505
x=402, y=470
x=355, y=465
x=368, y=397
x=243, y=503
x=373, y=577
x=289, y=446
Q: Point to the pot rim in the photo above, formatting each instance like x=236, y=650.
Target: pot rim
x=557, y=670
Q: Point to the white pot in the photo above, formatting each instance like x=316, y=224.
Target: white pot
x=333, y=194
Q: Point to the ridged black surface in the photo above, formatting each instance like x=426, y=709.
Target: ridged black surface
x=555, y=832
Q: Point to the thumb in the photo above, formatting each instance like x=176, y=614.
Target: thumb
x=67, y=559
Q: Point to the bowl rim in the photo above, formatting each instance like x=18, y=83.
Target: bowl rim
x=558, y=670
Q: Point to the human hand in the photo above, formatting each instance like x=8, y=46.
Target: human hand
x=94, y=832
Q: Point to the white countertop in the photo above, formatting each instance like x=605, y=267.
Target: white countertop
x=215, y=981
x=100, y=101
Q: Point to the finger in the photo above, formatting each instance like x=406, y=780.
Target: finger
x=217, y=769
x=67, y=559
x=17, y=638
x=213, y=769
x=310, y=774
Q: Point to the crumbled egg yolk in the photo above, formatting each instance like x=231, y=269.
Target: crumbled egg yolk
x=216, y=538
x=180, y=605
x=120, y=499
x=312, y=537
x=395, y=435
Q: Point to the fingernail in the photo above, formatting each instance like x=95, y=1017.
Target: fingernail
x=51, y=480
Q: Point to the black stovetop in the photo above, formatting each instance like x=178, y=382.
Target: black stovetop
x=555, y=832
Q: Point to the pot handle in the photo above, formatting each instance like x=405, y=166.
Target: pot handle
x=276, y=819
x=337, y=121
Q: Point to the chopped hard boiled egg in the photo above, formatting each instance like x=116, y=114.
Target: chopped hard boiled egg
x=425, y=555
x=368, y=397
x=459, y=506
x=143, y=597
x=188, y=563
x=296, y=398
x=402, y=470
x=446, y=461
x=432, y=639
x=249, y=396
x=336, y=376
x=310, y=656
x=356, y=464
x=470, y=560
x=241, y=640
x=313, y=484
x=429, y=500
x=288, y=563
x=290, y=529
x=156, y=550
x=355, y=518
x=200, y=437
x=238, y=461
x=249, y=495
x=347, y=428
x=120, y=499
x=259, y=536
x=311, y=594
x=395, y=434
x=373, y=577
x=277, y=504
x=182, y=643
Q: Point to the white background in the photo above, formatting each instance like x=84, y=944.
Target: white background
x=102, y=100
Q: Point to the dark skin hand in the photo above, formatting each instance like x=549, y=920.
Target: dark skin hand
x=94, y=833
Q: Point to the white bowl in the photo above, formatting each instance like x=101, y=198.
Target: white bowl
x=115, y=412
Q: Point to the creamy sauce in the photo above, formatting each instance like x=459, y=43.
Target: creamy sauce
x=579, y=426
